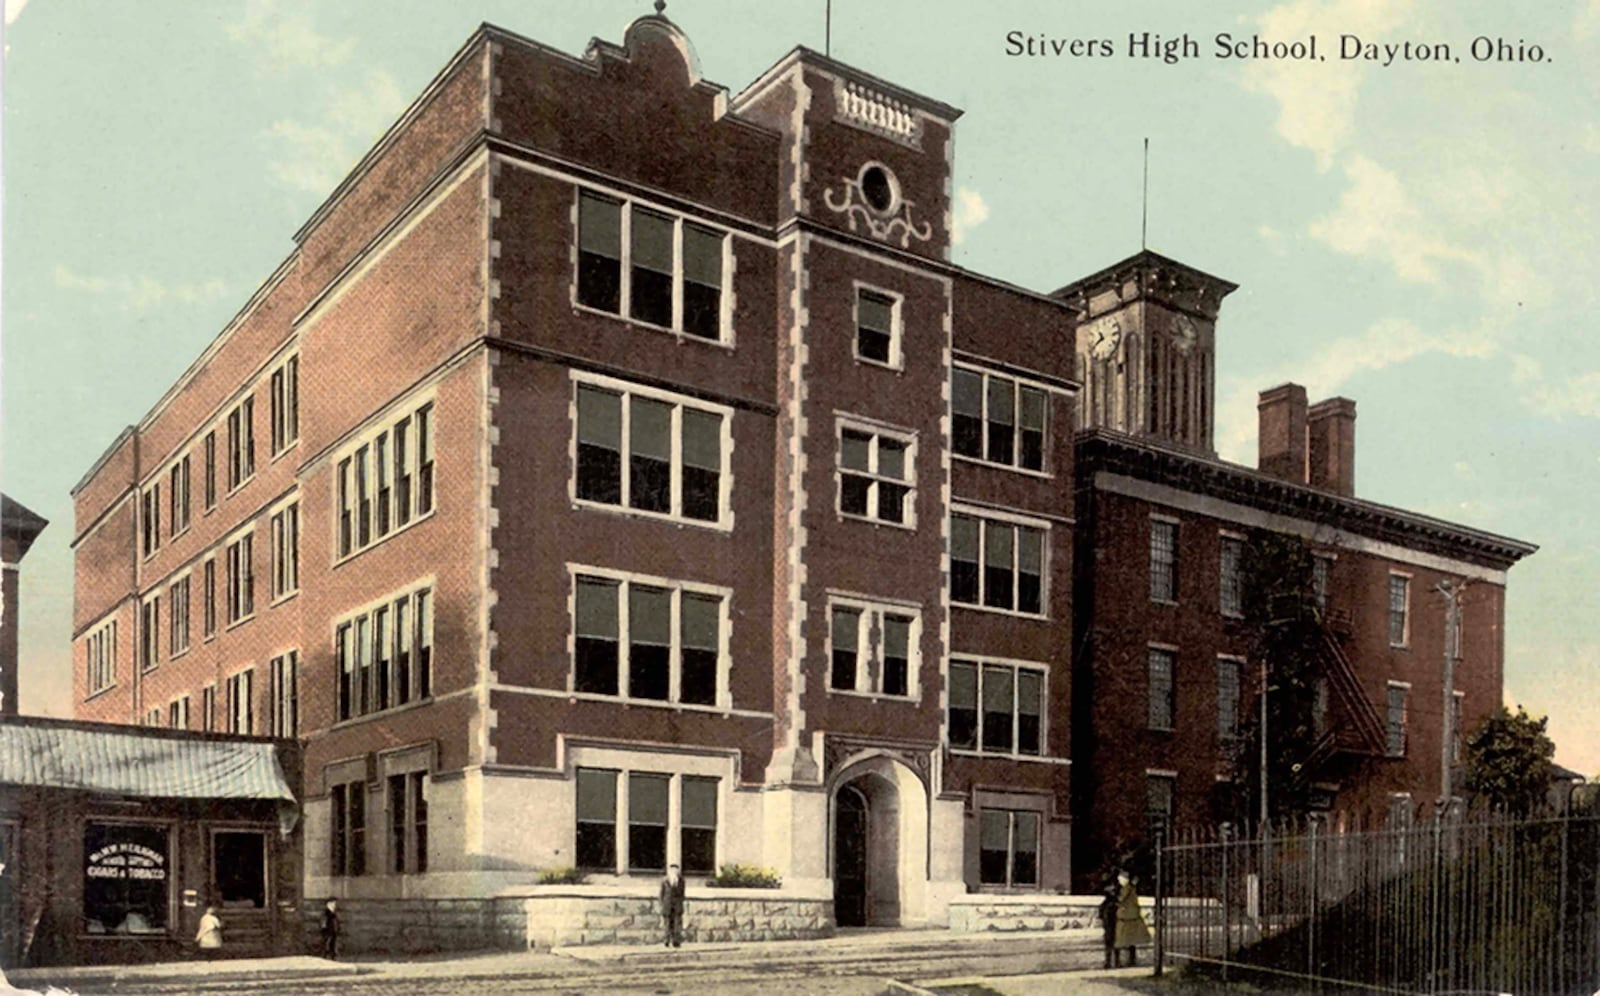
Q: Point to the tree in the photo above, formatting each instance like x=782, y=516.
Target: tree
x=1508, y=762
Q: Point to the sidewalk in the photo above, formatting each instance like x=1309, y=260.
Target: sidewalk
x=293, y=967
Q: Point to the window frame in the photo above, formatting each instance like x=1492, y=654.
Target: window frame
x=404, y=435
x=1228, y=733
x=178, y=603
x=347, y=837
x=876, y=433
x=1011, y=884
x=239, y=692
x=285, y=570
x=1154, y=777
x=406, y=821
x=1168, y=594
x=100, y=659
x=1397, y=735
x=241, y=444
x=622, y=819
x=1399, y=618
x=1169, y=701
x=239, y=581
x=626, y=206
x=283, y=677
x=1230, y=583
x=149, y=632
x=625, y=392
x=625, y=581
x=356, y=657
x=980, y=665
x=1018, y=385
x=285, y=405
x=983, y=517
x=150, y=515
x=896, y=304
x=871, y=645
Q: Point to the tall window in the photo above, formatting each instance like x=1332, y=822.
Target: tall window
x=1395, y=741
x=284, y=674
x=1163, y=667
x=872, y=649
x=997, y=419
x=1008, y=847
x=386, y=482
x=150, y=632
x=626, y=823
x=211, y=469
x=647, y=821
x=178, y=495
x=1321, y=569
x=241, y=703
x=150, y=514
x=1163, y=560
x=349, y=830
x=659, y=641
x=1399, y=603
x=241, y=579
x=208, y=594
x=650, y=454
x=997, y=564
x=241, y=443
x=100, y=649
x=996, y=707
x=1229, y=674
x=408, y=823
x=878, y=335
x=875, y=475
x=1231, y=594
x=285, y=404
x=597, y=819
x=698, y=834
x=286, y=551
x=208, y=708
x=178, y=713
x=385, y=655
x=671, y=274
x=1159, y=792
x=178, y=610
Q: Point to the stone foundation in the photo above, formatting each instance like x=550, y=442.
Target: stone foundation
x=979, y=913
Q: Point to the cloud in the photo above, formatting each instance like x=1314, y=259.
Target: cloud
x=315, y=156
x=1578, y=395
x=139, y=293
x=967, y=212
x=13, y=9
x=283, y=39
x=1377, y=218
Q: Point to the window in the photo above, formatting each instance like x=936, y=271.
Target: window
x=150, y=509
x=241, y=443
x=408, y=823
x=1163, y=560
x=1159, y=792
x=1163, y=665
x=1229, y=674
x=100, y=651
x=996, y=707
x=241, y=704
x=875, y=475
x=286, y=551
x=284, y=675
x=650, y=454
x=149, y=632
x=385, y=655
x=239, y=868
x=1008, y=847
x=208, y=708
x=178, y=713
x=211, y=469
x=178, y=496
x=241, y=580
x=178, y=607
x=349, y=830
x=659, y=641
x=649, y=283
x=285, y=405
x=873, y=649
x=625, y=822
x=997, y=419
x=1231, y=596
x=877, y=327
x=127, y=880
x=1399, y=601
x=1321, y=571
x=386, y=483
x=997, y=564
x=153, y=717
x=208, y=593
x=1395, y=741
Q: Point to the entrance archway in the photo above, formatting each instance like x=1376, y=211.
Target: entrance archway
x=880, y=844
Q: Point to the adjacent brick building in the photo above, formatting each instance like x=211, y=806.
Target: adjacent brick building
x=618, y=473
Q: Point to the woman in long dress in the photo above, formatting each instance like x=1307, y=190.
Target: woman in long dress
x=1131, y=929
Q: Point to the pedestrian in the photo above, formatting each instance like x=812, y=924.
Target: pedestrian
x=1108, y=916
x=209, y=936
x=672, y=907
x=330, y=930
x=1131, y=929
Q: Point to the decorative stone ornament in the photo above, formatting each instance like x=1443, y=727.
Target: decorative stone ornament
x=873, y=200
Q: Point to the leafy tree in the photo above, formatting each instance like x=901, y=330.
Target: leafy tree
x=1508, y=762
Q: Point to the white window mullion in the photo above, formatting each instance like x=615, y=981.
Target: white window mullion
x=626, y=446
x=724, y=655
x=675, y=460
x=622, y=640
x=674, y=848
x=983, y=560
x=675, y=651
x=625, y=256
x=622, y=823
x=677, y=273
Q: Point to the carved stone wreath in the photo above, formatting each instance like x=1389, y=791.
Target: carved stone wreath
x=896, y=227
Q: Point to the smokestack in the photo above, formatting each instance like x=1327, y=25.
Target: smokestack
x=1282, y=436
x=1331, y=431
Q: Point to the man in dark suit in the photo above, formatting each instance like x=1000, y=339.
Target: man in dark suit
x=672, y=906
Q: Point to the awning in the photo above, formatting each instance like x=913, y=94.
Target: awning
x=139, y=764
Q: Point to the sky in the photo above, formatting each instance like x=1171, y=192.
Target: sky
x=1418, y=236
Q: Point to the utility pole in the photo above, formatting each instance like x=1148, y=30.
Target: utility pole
x=1451, y=589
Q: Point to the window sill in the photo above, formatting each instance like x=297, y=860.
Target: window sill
x=868, y=361
x=235, y=489
x=1160, y=729
x=287, y=448
x=179, y=654
x=1163, y=601
x=1232, y=616
x=382, y=713
x=239, y=622
x=996, y=610
x=910, y=698
x=104, y=691
x=287, y=596
x=174, y=536
x=716, y=710
x=1399, y=646
x=724, y=343
x=386, y=537
x=909, y=527
x=992, y=755
x=1013, y=468
x=720, y=525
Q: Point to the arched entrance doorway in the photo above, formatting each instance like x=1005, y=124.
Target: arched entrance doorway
x=880, y=844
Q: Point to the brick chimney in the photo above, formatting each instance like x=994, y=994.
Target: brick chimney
x=1331, y=445
x=1282, y=436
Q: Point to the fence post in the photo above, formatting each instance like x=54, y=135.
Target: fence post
x=1222, y=895
x=1161, y=894
x=1312, y=910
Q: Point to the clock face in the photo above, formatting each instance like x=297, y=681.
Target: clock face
x=1104, y=337
x=1185, y=335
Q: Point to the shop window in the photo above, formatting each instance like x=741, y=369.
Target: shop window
x=126, y=881
x=239, y=868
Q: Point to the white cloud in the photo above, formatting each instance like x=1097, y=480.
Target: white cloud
x=283, y=39
x=967, y=212
x=1578, y=395
x=138, y=293
x=13, y=9
x=315, y=156
x=1377, y=218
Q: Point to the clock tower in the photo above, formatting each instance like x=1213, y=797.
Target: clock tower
x=1146, y=349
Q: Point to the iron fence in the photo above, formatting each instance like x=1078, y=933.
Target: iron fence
x=1453, y=903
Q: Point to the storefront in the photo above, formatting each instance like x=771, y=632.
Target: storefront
x=115, y=840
